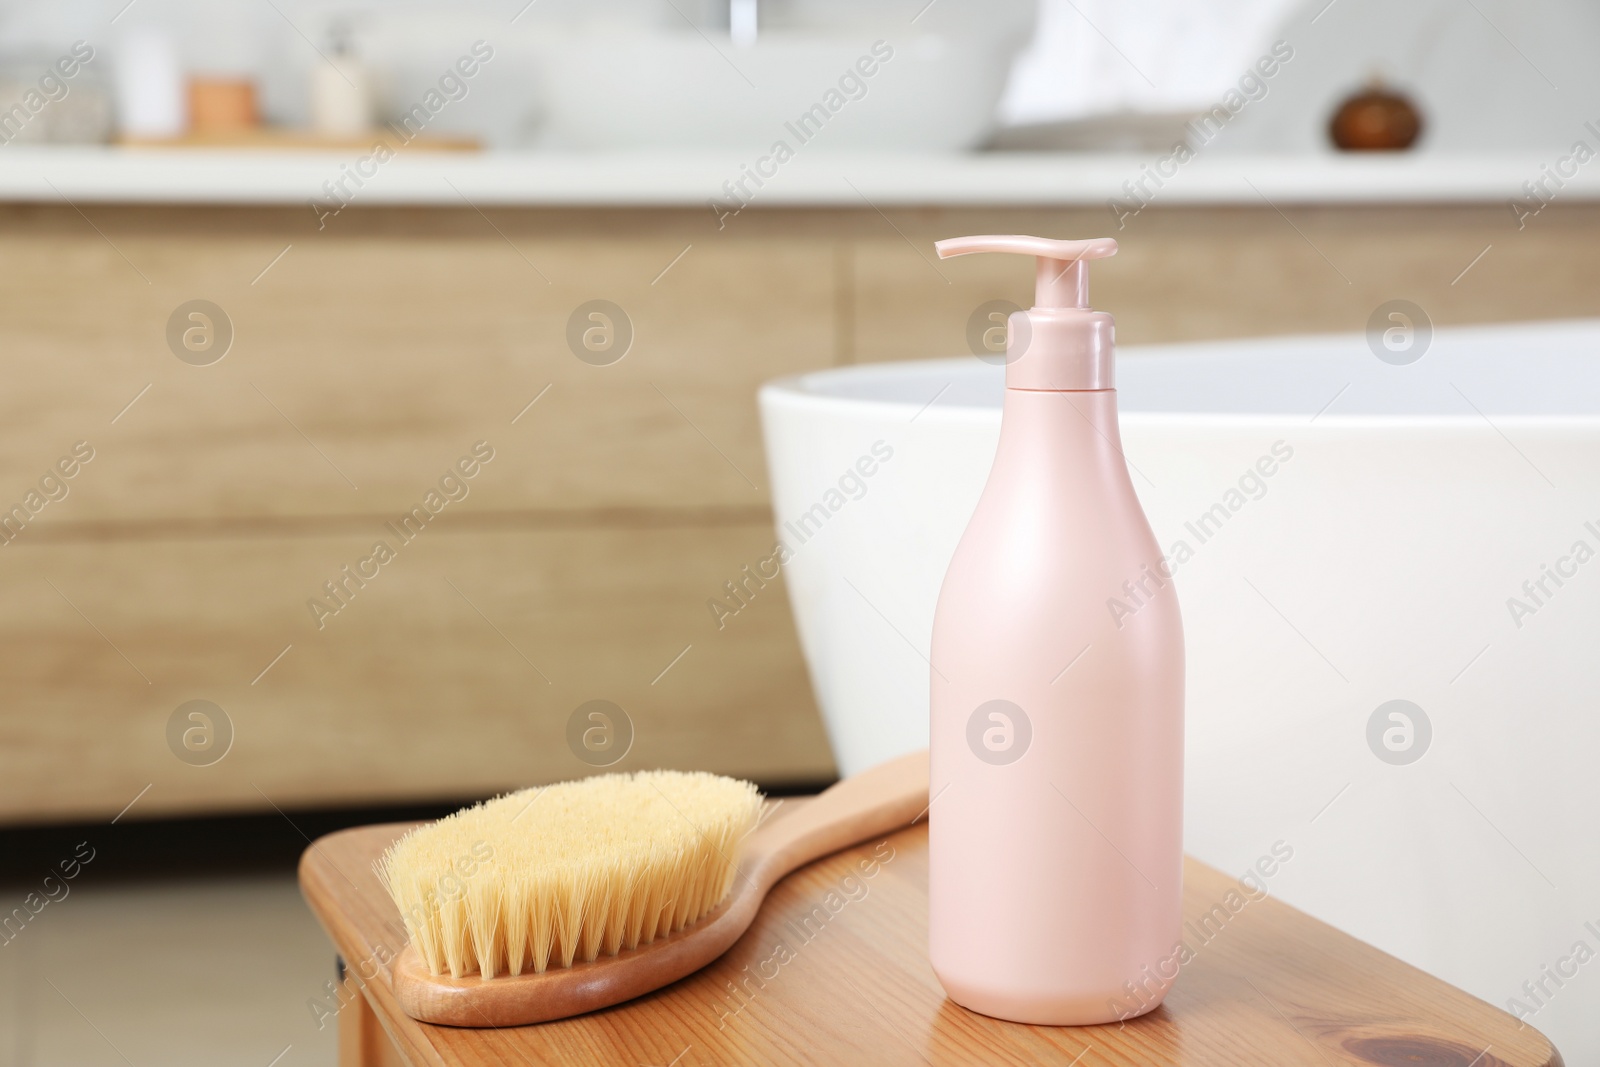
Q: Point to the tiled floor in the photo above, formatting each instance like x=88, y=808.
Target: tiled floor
x=202, y=972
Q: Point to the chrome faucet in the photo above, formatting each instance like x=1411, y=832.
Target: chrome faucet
x=742, y=21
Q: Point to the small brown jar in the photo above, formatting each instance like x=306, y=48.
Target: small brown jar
x=1376, y=119
x=222, y=105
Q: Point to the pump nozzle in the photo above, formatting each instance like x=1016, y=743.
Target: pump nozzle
x=1063, y=280
x=1060, y=344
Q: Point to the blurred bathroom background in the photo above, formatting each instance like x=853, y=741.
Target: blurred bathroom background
x=583, y=233
x=1097, y=75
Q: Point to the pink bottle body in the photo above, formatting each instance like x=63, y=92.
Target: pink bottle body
x=1055, y=868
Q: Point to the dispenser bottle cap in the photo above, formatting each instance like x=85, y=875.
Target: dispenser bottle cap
x=1060, y=344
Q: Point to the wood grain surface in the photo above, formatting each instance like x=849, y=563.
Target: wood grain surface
x=834, y=971
x=451, y=675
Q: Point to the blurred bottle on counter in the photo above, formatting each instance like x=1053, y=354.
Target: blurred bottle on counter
x=85, y=115
x=53, y=95
x=151, y=100
x=341, y=89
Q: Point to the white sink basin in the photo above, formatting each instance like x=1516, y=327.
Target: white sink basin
x=1406, y=504
x=631, y=75
x=679, y=89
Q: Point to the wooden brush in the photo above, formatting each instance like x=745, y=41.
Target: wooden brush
x=545, y=877
x=543, y=904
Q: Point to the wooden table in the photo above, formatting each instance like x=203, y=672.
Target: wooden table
x=1268, y=986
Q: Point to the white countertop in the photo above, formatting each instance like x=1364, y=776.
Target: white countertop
x=107, y=175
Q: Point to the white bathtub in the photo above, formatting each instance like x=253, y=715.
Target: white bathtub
x=1374, y=564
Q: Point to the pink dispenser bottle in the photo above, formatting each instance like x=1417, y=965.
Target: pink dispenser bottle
x=1056, y=824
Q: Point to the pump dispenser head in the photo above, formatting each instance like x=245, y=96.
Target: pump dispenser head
x=1060, y=344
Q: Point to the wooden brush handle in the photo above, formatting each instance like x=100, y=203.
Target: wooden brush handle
x=877, y=801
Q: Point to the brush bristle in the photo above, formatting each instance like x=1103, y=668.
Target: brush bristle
x=545, y=877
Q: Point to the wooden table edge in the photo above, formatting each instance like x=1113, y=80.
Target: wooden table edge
x=377, y=994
